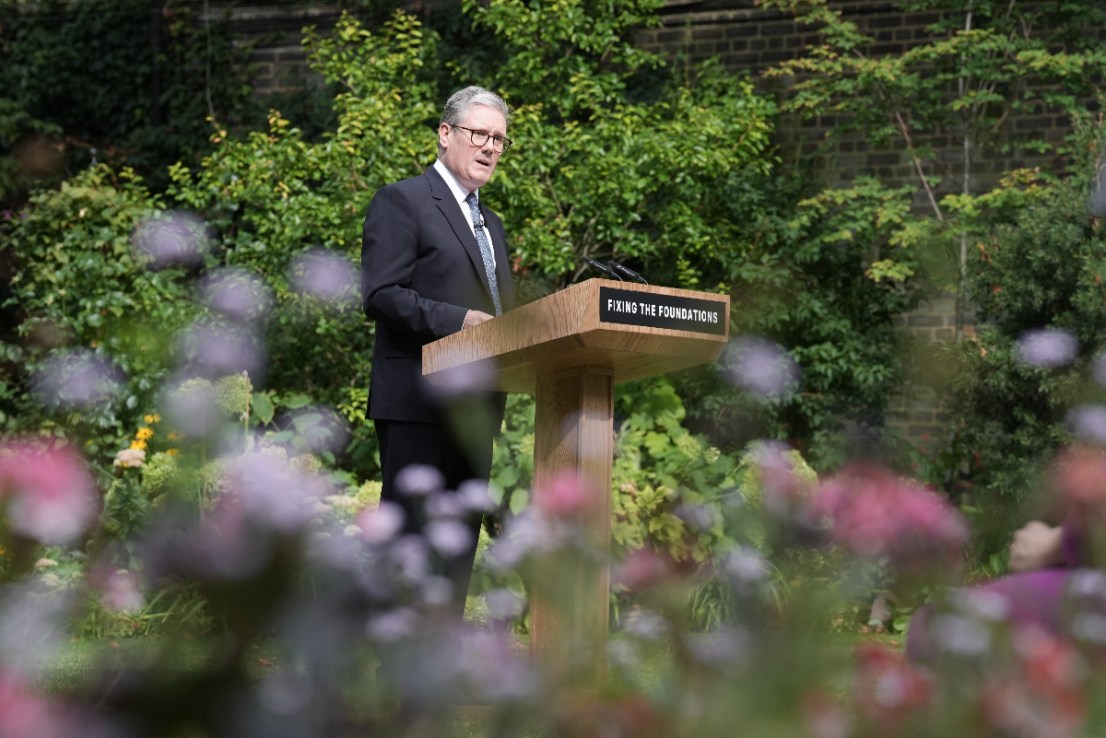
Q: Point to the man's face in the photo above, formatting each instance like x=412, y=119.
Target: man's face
x=472, y=165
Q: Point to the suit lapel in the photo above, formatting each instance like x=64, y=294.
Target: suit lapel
x=451, y=211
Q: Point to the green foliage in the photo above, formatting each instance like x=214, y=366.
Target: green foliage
x=1037, y=266
x=78, y=284
x=575, y=56
x=107, y=80
x=669, y=484
x=821, y=274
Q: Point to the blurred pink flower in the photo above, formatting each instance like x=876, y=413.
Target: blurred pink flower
x=644, y=568
x=874, y=513
x=825, y=716
x=564, y=496
x=119, y=592
x=786, y=485
x=50, y=494
x=1044, y=691
x=25, y=714
x=890, y=690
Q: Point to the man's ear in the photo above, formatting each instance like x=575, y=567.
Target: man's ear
x=443, y=134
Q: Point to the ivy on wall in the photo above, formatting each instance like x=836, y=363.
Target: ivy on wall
x=128, y=82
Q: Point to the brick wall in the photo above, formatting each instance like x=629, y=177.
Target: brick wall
x=749, y=40
x=275, y=34
x=916, y=411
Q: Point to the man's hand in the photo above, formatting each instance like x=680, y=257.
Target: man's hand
x=474, y=317
x=1036, y=546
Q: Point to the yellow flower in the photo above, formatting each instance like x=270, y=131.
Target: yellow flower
x=174, y=436
x=172, y=451
x=144, y=434
x=138, y=444
x=151, y=418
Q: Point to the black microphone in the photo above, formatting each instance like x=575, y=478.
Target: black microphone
x=627, y=271
x=602, y=267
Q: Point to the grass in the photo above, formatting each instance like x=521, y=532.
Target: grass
x=79, y=663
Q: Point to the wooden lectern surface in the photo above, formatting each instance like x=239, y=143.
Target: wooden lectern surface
x=565, y=330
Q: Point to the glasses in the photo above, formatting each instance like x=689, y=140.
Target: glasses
x=481, y=138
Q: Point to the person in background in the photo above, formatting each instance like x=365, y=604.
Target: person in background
x=1044, y=560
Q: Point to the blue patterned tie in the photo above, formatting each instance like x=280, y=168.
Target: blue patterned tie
x=485, y=250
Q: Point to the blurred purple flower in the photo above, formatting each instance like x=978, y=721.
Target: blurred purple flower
x=326, y=276
x=409, y=560
x=273, y=491
x=50, y=494
x=961, y=634
x=445, y=505
x=496, y=668
x=503, y=604
x=464, y=377
x=119, y=592
x=1098, y=369
x=1047, y=348
x=435, y=591
x=449, y=537
x=724, y=648
x=219, y=349
x=746, y=566
x=76, y=379
x=381, y=523
x=760, y=366
x=317, y=429
x=419, y=480
x=237, y=294
x=224, y=547
x=171, y=239
x=1088, y=584
x=1088, y=423
x=1089, y=627
x=191, y=406
x=33, y=623
x=394, y=625
x=473, y=494
x=981, y=604
x=524, y=534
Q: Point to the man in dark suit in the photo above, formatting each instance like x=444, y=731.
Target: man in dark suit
x=434, y=261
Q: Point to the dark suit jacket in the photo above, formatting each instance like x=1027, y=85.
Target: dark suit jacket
x=421, y=271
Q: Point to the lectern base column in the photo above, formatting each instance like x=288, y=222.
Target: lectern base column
x=574, y=438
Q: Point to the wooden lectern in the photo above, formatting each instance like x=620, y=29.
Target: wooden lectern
x=570, y=349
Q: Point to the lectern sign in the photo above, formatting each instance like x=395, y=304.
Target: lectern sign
x=656, y=310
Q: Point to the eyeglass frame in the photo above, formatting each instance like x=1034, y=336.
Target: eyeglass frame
x=504, y=142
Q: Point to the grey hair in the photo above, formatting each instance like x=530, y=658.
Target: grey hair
x=461, y=100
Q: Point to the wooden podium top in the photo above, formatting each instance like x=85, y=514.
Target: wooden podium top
x=636, y=330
